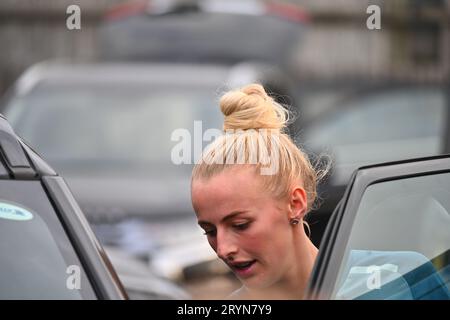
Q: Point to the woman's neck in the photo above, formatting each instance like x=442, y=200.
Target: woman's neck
x=293, y=285
x=297, y=279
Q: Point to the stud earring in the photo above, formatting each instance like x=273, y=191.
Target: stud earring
x=294, y=221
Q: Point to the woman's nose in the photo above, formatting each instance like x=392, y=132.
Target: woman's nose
x=225, y=246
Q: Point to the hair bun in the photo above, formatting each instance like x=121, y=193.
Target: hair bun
x=251, y=107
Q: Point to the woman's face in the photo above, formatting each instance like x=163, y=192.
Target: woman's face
x=246, y=226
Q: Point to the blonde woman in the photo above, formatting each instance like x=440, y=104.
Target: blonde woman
x=251, y=191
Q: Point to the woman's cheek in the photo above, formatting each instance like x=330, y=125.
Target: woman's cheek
x=254, y=242
x=270, y=240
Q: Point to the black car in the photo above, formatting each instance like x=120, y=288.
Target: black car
x=47, y=249
x=389, y=237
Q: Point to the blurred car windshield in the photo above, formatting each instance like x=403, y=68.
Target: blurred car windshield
x=106, y=127
x=379, y=127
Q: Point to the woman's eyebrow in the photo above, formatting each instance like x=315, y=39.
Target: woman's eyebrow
x=232, y=215
x=227, y=217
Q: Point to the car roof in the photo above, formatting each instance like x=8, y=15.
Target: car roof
x=121, y=73
x=142, y=73
x=404, y=161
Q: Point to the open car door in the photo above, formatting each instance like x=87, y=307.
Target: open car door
x=389, y=237
x=47, y=249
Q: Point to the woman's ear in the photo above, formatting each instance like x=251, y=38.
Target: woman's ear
x=298, y=203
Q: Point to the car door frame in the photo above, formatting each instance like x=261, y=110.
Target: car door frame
x=446, y=142
x=100, y=272
x=337, y=233
x=19, y=162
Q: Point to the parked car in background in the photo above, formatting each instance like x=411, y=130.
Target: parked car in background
x=389, y=237
x=47, y=248
x=356, y=125
x=108, y=129
x=223, y=32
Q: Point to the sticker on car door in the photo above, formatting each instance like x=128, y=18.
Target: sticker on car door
x=12, y=212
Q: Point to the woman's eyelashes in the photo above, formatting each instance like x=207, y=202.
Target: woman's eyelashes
x=211, y=232
x=241, y=226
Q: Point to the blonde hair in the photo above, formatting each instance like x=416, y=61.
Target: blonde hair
x=254, y=122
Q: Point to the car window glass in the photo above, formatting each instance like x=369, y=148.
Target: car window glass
x=382, y=127
x=399, y=245
x=38, y=260
x=116, y=128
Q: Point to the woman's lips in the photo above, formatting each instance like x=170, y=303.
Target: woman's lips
x=243, y=269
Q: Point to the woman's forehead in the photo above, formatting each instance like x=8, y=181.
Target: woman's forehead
x=228, y=190
x=229, y=183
